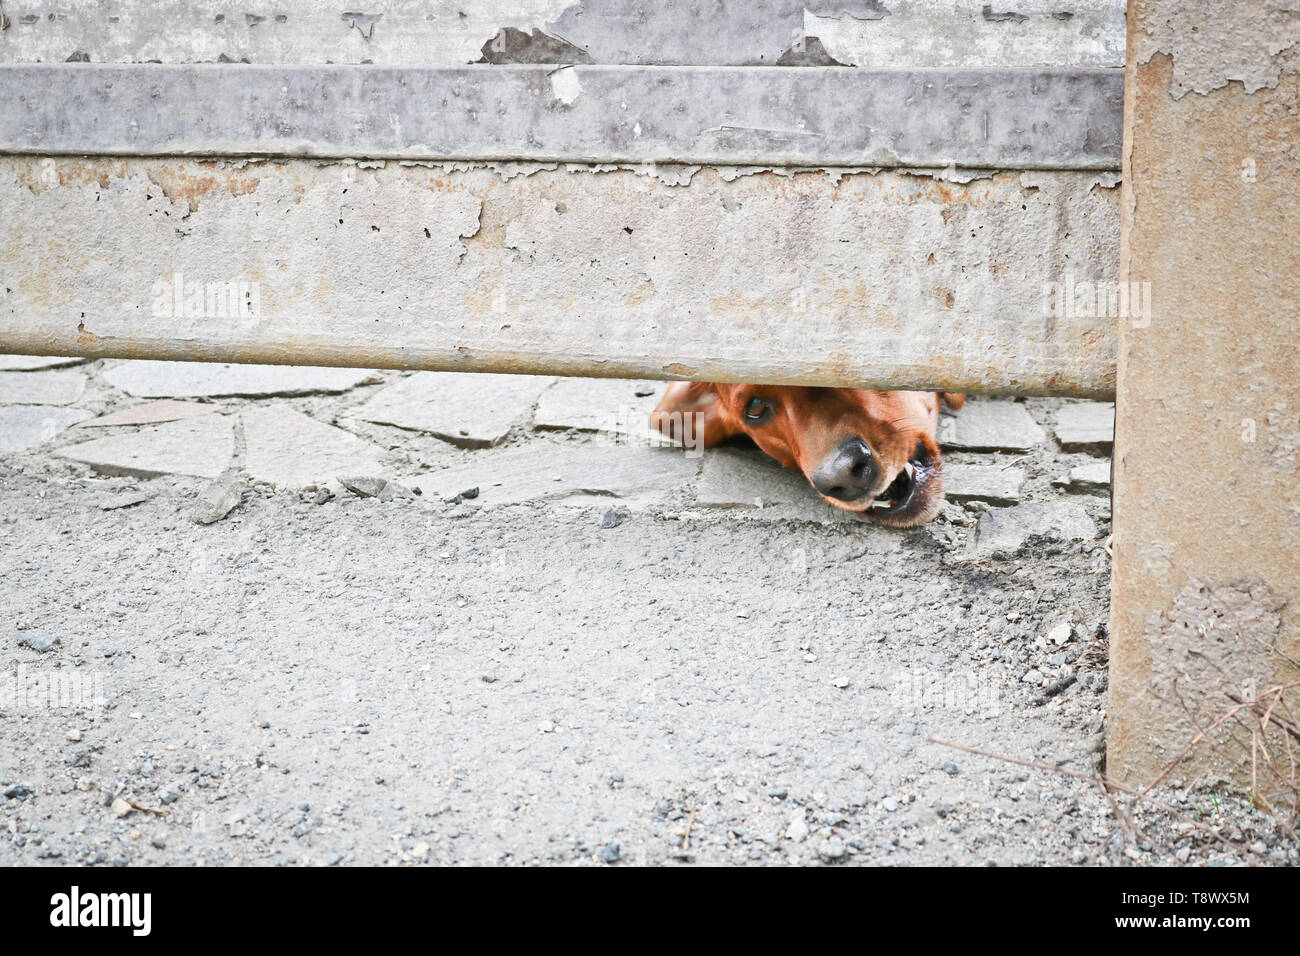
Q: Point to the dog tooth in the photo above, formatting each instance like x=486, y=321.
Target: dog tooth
x=909, y=469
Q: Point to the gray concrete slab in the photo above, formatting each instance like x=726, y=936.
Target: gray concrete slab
x=617, y=405
x=987, y=424
x=290, y=450
x=468, y=409
x=28, y=363
x=41, y=388
x=202, y=447
x=1006, y=530
x=996, y=484
x=156, y=379
x=26, y=426
x=548, y=471
x=1086, y=426
x=1093, y=477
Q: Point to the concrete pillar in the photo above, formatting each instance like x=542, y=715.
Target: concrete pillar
x=1206, y=603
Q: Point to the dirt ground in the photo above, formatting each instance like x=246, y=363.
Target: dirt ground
x=608, y=677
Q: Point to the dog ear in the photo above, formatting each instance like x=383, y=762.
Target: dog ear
x=692, y=414
x=954, y=400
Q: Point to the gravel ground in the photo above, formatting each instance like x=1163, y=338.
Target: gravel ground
x=420, y=681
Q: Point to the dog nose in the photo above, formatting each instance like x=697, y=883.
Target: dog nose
x=847, y=473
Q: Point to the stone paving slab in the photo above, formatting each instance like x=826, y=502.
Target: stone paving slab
x=618, y=405
x=290, y=450
x=154, y=379
x=26, y=426
x=1086, y=426
x=1006, y=530
x=995, y=484
x=27, y=363
x=469, y=409
x=41, y=388
x=152, y=413
x=548, y=471
x=990, y=425
x=202, y=447
x=1092, y=477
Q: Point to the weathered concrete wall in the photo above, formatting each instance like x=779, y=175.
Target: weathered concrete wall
x=896, y=279
x=1206, y=600
x=813, y=278
x=880, y=33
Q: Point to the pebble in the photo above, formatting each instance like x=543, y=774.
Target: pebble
x=1061, y=633
x=833, y=850
x=363, y=486
x=121, y=808
x=1033, y=676
x=797, y=829
x=610, y=518
x=489, y=678
x=610, y=853
x=74, y=735
x=546, y=727
x=840, y=682
x=890, y=804
x=950, y=769
x=39, y=641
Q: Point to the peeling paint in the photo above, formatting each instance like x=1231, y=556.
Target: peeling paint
x=1008, y=17
x=808, y=52
x=364, y=22
x=1215, y=44
x=853, y=32
x=956, y=33
x=515, y=46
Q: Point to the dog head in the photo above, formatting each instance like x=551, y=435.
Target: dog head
x=868, y=452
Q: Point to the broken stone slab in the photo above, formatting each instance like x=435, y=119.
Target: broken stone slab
x=127, y=499
x=152, y=413
x=1006, y=530
x=219, y=498
x=469, y=409
x=41, y=388
x=996, y=484
x=290, y=450
x=617, y=405
x=202, y=447
x=543, y=471
x=990, y=425
x=1090, y=478
x=29, y=363
x=26, y=426
x=1086, y=426
x=157, y=379
x=364, y=487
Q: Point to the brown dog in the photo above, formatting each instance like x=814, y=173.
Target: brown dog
x=871, y=453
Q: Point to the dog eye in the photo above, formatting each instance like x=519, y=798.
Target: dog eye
x=757, y=410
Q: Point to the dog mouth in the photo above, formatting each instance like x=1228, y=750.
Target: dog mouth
x=914, y=495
